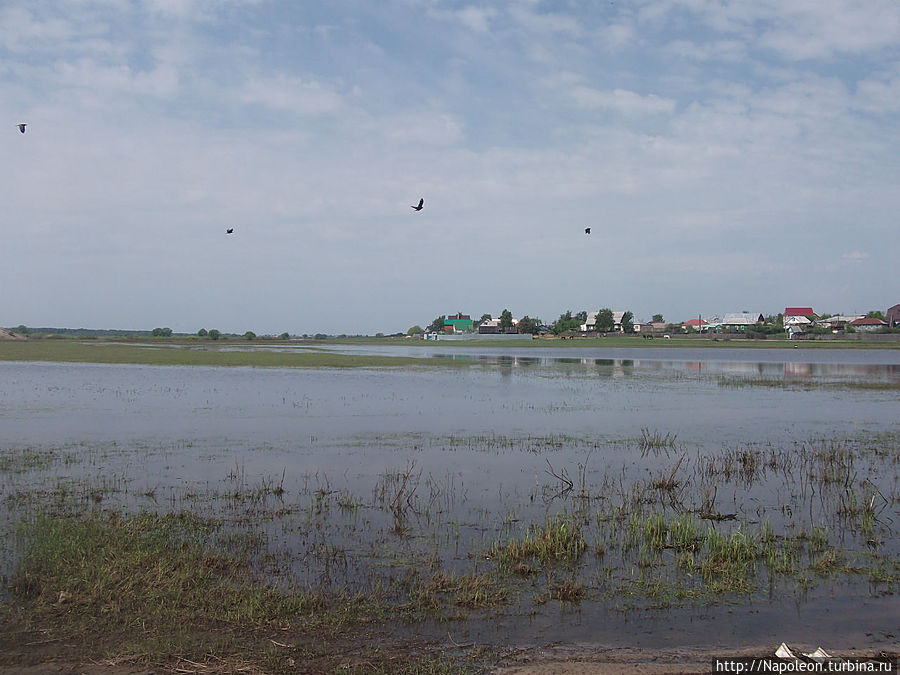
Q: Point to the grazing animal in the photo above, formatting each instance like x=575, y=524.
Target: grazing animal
x=419, y=206
x=587, y=230
x=230, y=230
x=22, y=127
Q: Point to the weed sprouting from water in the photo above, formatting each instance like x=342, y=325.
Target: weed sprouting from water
x=559, y=540
x=656, y=440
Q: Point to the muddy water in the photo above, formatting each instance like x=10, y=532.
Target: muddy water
x=487, y=444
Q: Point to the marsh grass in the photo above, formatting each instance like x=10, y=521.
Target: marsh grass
x=656, y=440
x=99, y=351
x=413, y=549
x=558, y=540
x=172, y=587
x=736, y=381
x=22, y=460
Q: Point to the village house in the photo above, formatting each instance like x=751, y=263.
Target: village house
x=697, y=324
x=868, y=324
x=590, y=324
x=492, y=327
x=893, y=316
x=741, y=321
x=838, y=322
x=798, y=320
x=459, y=323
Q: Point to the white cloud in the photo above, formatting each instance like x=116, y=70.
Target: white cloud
x=620, y=100
x=85, y=73
x=807, y=29
x=879, y=96
x=282, y=92
x=544, y=23
x=719, y=50
x=476, y=18
x=20, y=31
x=428, y=128
x=855, y=256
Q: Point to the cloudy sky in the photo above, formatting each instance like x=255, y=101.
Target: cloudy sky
x=728, y=155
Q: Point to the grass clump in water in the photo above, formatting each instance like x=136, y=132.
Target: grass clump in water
x=656, y=440
x=559, y=540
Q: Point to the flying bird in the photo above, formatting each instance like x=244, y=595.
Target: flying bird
x=22, y=127
x=230, y=230
x=419, y=206
x=587, y=230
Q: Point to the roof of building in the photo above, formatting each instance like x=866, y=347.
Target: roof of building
x=799, y=311
x=695, y=322
x=868, y=321
x=841, y=318
x=795, y=319
x=592, y=318
x=742, y=318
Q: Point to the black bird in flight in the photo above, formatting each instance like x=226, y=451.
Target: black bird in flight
x=22, y=127
x=587, y=230
x=230, y=230
x=419, y=206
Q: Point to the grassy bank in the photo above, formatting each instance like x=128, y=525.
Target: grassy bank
x=153, y=591
x=173, y=354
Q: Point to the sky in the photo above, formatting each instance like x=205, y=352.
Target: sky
x=727, y=155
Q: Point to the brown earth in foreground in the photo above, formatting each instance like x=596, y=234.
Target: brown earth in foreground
x=535, y=661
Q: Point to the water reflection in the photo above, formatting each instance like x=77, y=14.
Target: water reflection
x=791, y=370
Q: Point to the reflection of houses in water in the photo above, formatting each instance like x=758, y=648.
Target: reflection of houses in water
x=798, y=370
x=611, y=368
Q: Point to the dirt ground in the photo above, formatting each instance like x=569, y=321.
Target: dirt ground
x=600, y=661
x=538, y=661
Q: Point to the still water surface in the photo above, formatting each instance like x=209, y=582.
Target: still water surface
x=491, y=438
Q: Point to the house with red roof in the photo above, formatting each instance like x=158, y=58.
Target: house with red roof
x=697, y=324
x=869, y=324
x=799, y=311
x=797, y=319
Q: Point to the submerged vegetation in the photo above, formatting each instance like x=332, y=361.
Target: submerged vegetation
x=286, y=570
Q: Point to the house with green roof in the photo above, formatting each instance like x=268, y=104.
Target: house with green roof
x=459, y=323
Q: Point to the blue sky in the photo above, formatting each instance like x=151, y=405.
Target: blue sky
x=728, y=156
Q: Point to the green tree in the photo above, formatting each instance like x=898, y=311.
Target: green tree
x=161, y=332
x=657, y=318
x=250, y=335
x=285, y=336
x=876, y=314
x=529, y=325
x=582, y=318
x=437, y=326
x=202, y=332
x=21, y=329
x=484, y=318
x=214, y=334
x=628, y=322
x=414, y=330
x=605, y=322
x=506, y=319
x=565, y=323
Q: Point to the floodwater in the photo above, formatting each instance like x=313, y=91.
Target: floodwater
x=487, y=448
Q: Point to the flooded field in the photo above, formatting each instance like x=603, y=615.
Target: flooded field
x=613, y=497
